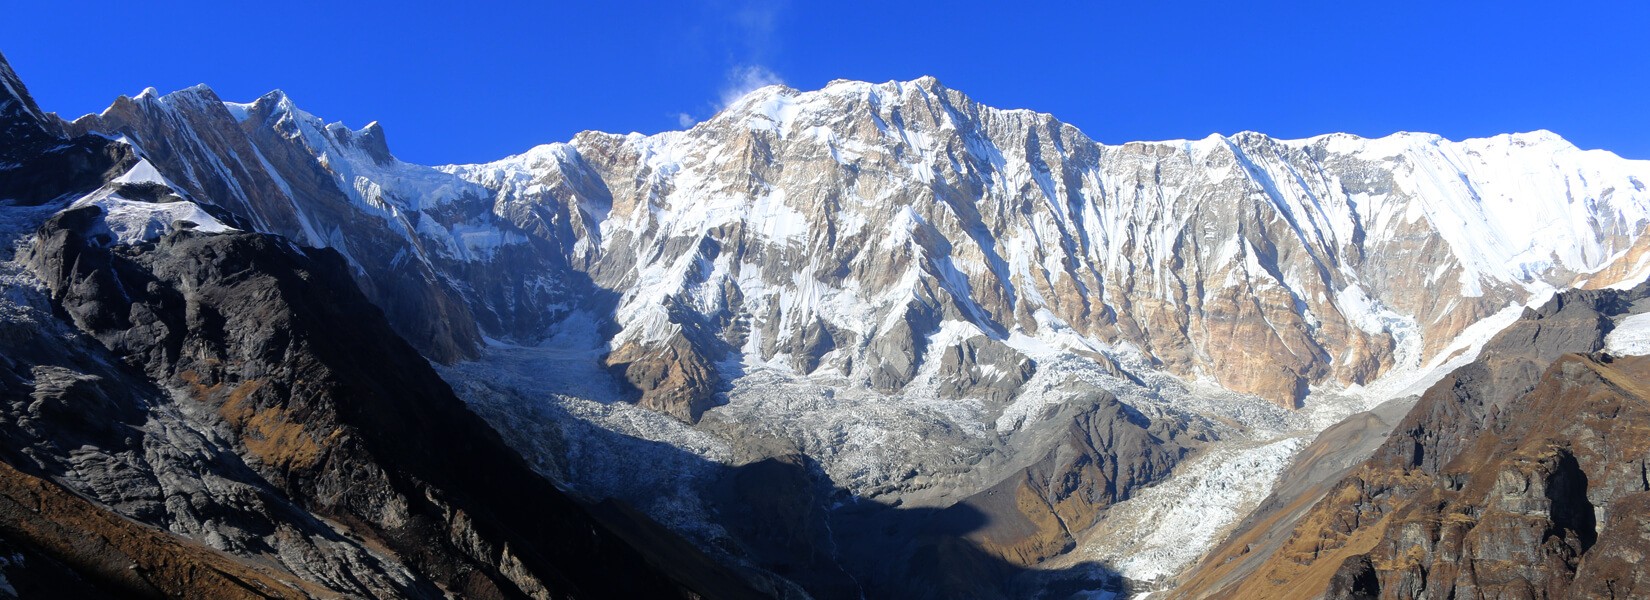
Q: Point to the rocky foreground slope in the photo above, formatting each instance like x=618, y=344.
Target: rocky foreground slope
x=875, y=339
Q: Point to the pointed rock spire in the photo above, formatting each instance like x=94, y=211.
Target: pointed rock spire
x=371, y=140
x=22, y=124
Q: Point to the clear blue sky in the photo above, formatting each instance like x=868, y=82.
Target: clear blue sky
x=462, y=82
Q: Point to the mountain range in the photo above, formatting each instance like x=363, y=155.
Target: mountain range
x=873, y=340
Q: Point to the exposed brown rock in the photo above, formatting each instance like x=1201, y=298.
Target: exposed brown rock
x=672, y=377
x=983, y=368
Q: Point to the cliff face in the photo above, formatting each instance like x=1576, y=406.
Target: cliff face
x=1518, y=476
x=37, y=162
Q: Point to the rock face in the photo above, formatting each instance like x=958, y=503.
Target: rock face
x=68, y=547
x=1500, y=483
x=222, y=412
x=674, y=379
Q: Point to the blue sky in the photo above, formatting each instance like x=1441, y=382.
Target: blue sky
x=478, y=81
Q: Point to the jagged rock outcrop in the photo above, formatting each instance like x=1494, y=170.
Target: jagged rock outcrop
x=980, y=367
x=36, y=163
x=21, y=120
x=673, y=379
x=61, y=545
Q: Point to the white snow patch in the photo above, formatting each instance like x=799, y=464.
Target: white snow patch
x=1631, y=337
x=136, y=221
x=239, y=110
x=132, y=221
